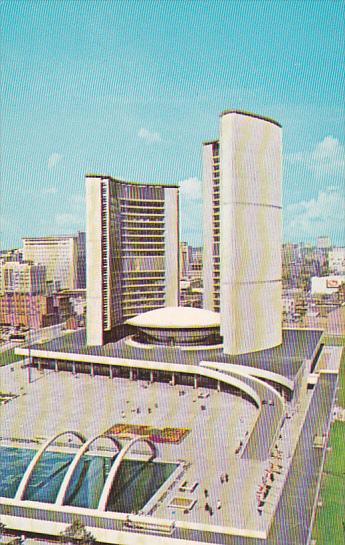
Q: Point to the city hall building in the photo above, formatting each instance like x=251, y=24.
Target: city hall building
x=261, y=397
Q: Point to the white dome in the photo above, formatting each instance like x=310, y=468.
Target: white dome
x=176, y=318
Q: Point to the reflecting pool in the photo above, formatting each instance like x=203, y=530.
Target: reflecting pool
x=135, y=483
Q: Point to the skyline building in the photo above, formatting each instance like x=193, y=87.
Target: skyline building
x=61, y=255
x=132, y=242
x=22, y=277
x=242, y=231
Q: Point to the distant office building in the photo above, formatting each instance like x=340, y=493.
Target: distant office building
x=81, y=260
x=185, y=260
x=59, y=254
x=132, y=246
x=15, y=254
x=326, y=285
x=336, y=261
x=23, y=309
x=242, y=231
x=22, y=277
x=324, y=243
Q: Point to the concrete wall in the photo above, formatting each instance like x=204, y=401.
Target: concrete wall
x=171, y=216
x=94, y=297
x=250, y=210
x=207, y=258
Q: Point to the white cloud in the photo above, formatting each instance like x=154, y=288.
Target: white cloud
x=53, y=160
x=148, y=136
x=191, y=189
x=68, y=219
x=49, y=190
x=323, y=214
x=328, y=157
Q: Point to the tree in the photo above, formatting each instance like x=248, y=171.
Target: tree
x=76, y=533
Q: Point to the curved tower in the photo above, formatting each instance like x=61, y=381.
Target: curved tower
x=132, y=240
x=250, y=232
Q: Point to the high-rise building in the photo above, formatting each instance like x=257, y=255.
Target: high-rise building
x=81, y=260
x=185, y=260
x=324, y=243
x=242, y=231
x=59, y=254
x=23, y=277
x=132, y=244
x=336, y=261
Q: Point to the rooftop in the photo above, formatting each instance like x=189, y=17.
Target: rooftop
x=285, y=359
x=117, y=180
x=250, y=114
x=176, y=318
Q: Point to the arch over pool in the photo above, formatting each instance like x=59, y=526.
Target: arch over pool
x=102, y=505
x=60, y=499
x=29, y=470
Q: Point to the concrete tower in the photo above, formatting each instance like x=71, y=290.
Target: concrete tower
x=245, y=244
x=132, y=246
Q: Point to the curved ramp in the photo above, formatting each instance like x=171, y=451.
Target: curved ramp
x=267, y=425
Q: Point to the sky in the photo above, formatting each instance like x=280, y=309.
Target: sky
x=132, y=89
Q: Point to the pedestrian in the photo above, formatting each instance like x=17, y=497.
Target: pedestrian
x=222, y=478
x=226, y=478
x=210, y=511
x=206, y=492
x=219, y=505
x=207, y=507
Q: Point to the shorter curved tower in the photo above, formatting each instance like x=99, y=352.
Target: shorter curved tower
x=132, y=241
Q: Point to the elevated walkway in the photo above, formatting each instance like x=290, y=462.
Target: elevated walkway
x=261, y=438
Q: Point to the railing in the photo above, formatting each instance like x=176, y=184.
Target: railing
x=54, y=515
x=161, y=528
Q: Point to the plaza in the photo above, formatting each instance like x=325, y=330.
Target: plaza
x=237, y=425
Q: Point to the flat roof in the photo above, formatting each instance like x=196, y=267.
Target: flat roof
x=251, y=114
x=176, y=318
x=285, y=359
x=52, y=237
x=118, y=180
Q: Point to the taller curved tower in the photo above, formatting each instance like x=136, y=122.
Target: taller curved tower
x=248, y=254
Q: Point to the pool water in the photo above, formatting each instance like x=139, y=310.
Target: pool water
x=135, y=484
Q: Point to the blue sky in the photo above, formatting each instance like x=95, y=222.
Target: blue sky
x=132, y=88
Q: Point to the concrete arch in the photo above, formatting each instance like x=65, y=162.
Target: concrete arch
x=60, y=499
x=102, y=505
x=29, y=470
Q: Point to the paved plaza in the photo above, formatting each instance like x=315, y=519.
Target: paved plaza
x=219, y=421
x=55, y=402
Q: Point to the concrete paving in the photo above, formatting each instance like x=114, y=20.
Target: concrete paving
x=57, y=401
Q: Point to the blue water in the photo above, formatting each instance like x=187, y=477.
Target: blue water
x=135, y=483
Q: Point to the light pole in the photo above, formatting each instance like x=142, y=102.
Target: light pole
x=29, y=352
